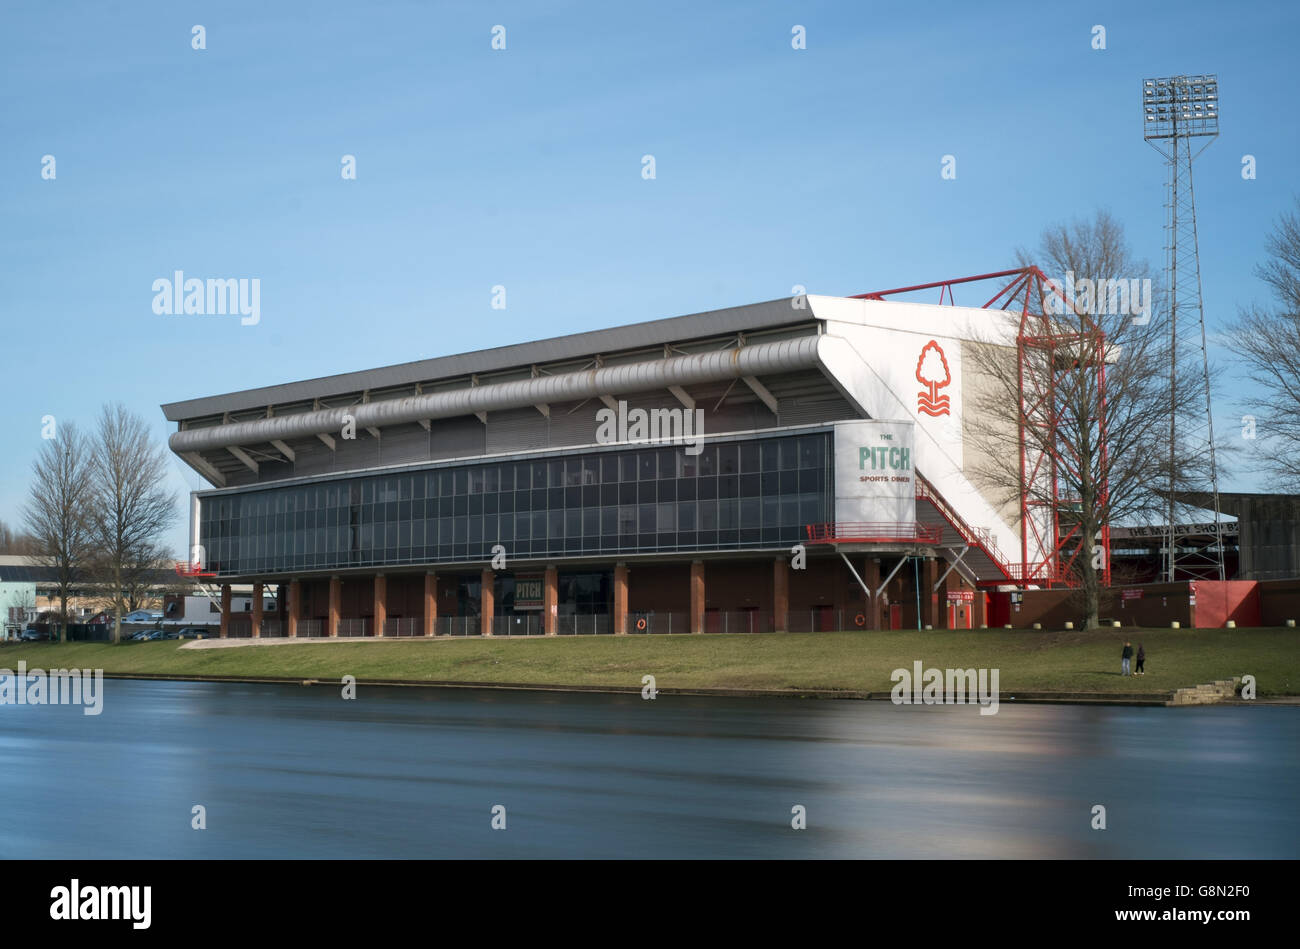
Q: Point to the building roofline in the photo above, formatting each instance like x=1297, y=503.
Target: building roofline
x=755, y=316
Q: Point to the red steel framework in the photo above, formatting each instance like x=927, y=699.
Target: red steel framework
x=1048, y=556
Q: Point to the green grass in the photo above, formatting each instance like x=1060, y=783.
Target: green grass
x=1069, y=661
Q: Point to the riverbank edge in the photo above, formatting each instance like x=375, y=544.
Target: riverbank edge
x=1156, y=699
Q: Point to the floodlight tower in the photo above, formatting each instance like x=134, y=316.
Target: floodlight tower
x=1178, y=110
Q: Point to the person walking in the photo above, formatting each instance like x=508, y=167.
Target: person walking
x=1141, y=658
x=1124, y=657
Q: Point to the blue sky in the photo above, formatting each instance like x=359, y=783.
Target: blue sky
x=522, y=167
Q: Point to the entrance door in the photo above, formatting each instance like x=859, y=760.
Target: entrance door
x=895, y=615
x=959, y=615
x=823, y=618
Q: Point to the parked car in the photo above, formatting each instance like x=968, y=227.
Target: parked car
x=138, y=616
x=138, y=637
x=154, y=634
x=193, y=632
x=171, y=634
x=33, y=636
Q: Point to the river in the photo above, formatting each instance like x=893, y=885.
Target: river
x=291, y=771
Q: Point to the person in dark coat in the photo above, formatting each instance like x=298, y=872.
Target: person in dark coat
x=1124, y=657
x=1141, y=658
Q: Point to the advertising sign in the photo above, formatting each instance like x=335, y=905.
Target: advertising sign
x=528, y=592
x=875, y=481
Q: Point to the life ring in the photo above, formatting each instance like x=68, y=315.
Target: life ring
x=860, y=620
x=640, y=624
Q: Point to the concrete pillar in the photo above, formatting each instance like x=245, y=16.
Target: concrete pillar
x=430, y=603
x=336, y=602
x=225, y=610
x=875, y=608
x=295, y=606
x=257, y=610
x=551, y=600
x=381, y=603
x=780, y=595
x=620, y=599
x=489, y=600
x=697, y=596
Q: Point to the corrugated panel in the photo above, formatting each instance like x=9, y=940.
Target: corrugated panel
x=812, y=411
x=458, y=438
x=569, y=427
x=516, y=430
x=312, y=457
x=359, y=452
x=404, y=444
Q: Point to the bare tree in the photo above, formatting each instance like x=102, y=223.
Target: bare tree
x=16, y=542
x=140, y=578
x=1106, y=448
x=1267, y=341
x=131, y=508
x=57, y=512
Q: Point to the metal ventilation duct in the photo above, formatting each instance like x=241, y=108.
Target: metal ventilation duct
x=761, y=358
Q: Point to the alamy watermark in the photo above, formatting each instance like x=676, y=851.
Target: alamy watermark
x=1104, y=297
x=78, y=901
x=946, y=687
x=84, y=687
x=181, y=296
x=658, y=426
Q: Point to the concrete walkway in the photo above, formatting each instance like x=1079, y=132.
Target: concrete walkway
x=310, y=640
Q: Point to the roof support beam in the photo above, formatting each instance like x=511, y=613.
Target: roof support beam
x=543, y=408
x=611, y=403
x=682, y=396
x=200, y=464
x=327, y=439
x=760, y=390
x=283, y=449
x=243, y=456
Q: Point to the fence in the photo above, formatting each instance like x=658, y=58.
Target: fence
x=571, y=624
x=355, y=628
x=89, y=633
x=404, y=626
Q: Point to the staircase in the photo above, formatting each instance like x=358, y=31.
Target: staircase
x=984, y=562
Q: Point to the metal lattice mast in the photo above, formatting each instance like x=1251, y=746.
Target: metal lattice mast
x=1177, y=110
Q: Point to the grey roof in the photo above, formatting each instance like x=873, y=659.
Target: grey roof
x=754, y=316
x=42, y=573
x=1241, y=503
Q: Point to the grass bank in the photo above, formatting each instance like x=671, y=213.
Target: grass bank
x=1065, y=661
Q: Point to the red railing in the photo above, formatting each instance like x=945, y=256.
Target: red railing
x=874, y=532
x=980, y=537
x=191, y=569
x=983, y=538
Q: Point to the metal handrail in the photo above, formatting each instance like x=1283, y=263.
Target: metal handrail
x=982, y=537
x=871, y=531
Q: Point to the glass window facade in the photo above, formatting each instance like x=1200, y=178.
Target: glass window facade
x=752, y=493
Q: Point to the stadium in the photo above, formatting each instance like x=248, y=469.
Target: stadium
x=519, y=490
x=800, y=464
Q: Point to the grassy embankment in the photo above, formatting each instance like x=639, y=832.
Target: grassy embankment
x=1070, y=661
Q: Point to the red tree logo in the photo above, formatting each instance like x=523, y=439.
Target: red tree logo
x=932, y=372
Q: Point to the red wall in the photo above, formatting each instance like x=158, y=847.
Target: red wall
x=1218, y=601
